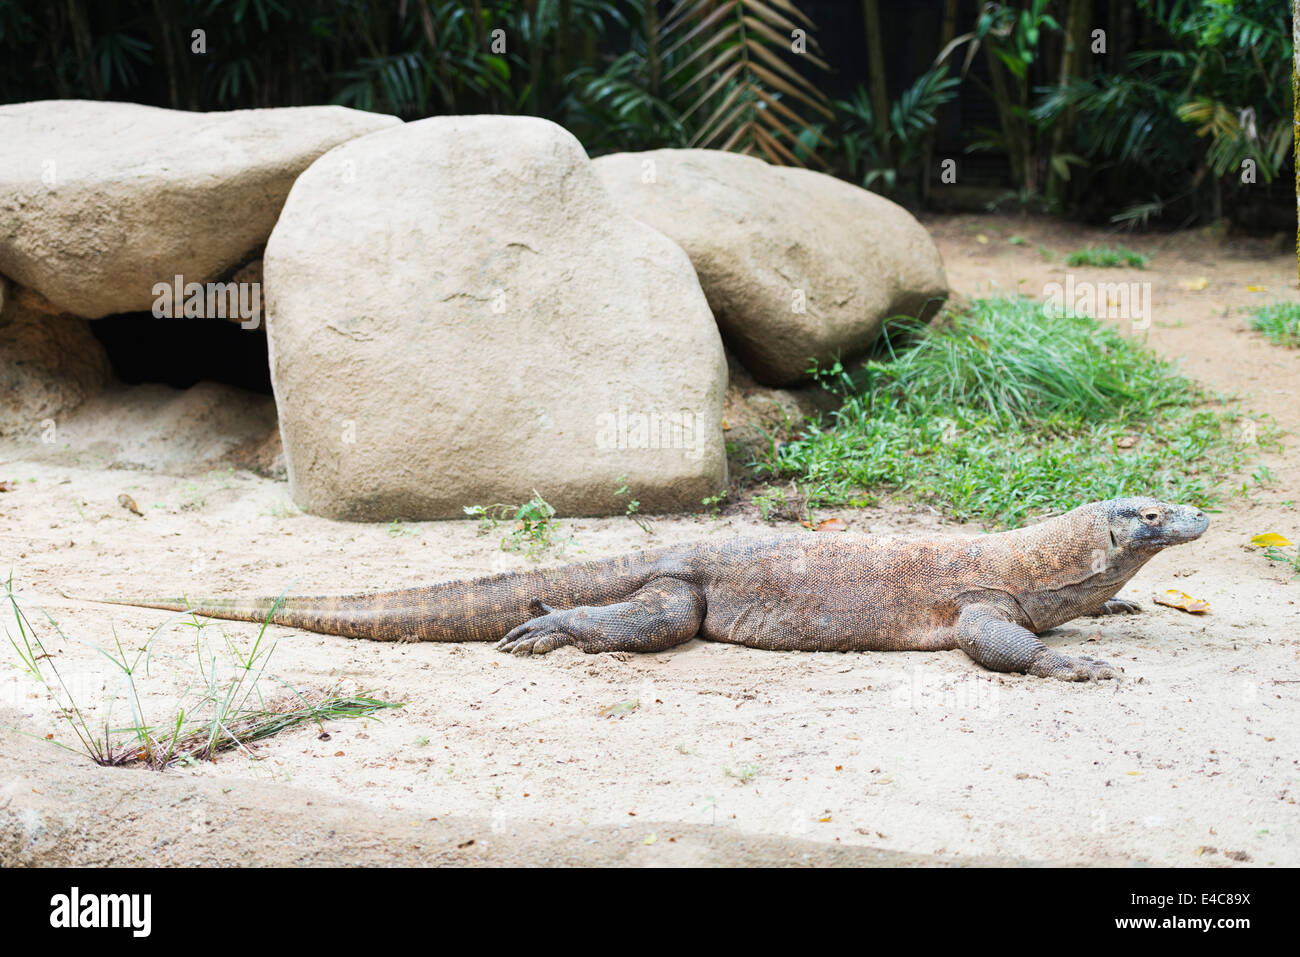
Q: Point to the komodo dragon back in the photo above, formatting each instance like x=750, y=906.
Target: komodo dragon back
x=989, y=595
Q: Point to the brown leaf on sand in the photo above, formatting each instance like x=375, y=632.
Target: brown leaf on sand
x=7, y=485
x=128, y=503
x=832, y=525
x=1173, y=598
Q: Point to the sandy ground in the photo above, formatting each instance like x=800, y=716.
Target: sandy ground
x=706, y=754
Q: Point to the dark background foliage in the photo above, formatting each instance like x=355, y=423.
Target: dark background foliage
x=1153, y=131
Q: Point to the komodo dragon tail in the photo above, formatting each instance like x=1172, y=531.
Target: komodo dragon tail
x=477, y=609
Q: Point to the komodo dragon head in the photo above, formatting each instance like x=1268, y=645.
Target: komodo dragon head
x=1148, y=525
x=1093, y=551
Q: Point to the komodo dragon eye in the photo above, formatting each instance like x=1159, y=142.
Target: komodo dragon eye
x=1151, y=517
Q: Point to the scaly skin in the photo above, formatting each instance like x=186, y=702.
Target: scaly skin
x=988, y=595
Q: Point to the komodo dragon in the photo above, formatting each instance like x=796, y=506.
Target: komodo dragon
x=988, y=595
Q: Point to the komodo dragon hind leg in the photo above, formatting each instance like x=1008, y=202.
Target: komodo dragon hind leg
x=1117, y=606
x=986, y=634
x=663, y=613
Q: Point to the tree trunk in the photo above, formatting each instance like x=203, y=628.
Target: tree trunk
x=534, y=62
x=1073, y=54
x=81, y=40
x=947, y=31
x=879, y=87
x=1006, y=116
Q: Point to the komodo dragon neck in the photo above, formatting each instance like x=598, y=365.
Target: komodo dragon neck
x=1057, y=569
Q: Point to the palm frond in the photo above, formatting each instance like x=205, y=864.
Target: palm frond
x=736, y=87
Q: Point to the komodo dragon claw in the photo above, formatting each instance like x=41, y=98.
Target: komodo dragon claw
x=1118, y=606
x=1065, y=668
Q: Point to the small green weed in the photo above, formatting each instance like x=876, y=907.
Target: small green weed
x=644, y=522
x=714, y=503
x=533, y=525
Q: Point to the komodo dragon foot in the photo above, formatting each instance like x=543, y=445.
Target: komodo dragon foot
x=1117, y=606
x=986, y=633
x=663, y=613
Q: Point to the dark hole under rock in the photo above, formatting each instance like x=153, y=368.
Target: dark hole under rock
x=184, y=352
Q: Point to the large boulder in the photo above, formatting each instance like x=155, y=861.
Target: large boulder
x=100, y=201
x=796, y=265
x=48, y=367
x=471, y=318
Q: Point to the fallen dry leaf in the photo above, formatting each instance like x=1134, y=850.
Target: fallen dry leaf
x=1270, y=538
x=832, y=525
x=1173, y=598
x=982, y=239
x=7, y=485
x=128, y=503
x=1257, y=289
x=726, y=426
x=1195, y=285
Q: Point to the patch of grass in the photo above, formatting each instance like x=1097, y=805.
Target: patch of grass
x=1006, y=412
x=1279, y=322
x=1277, y=548
x=533, y=525
x=775, y=503
x=644, y=522
x=193, y=498
x=1107, y=256
x=770, y=502
x=714, y=503
x=1292, y=560
x=282, y=509
x=743, y=775
x=217, y=713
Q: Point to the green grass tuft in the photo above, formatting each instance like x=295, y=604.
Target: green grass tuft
x=1106, y=256
x=1279, y=322
x=233, y=704
x=1007, y=412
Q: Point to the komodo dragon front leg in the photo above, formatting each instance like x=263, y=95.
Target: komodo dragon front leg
x=662, y=613
x=991, y=638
